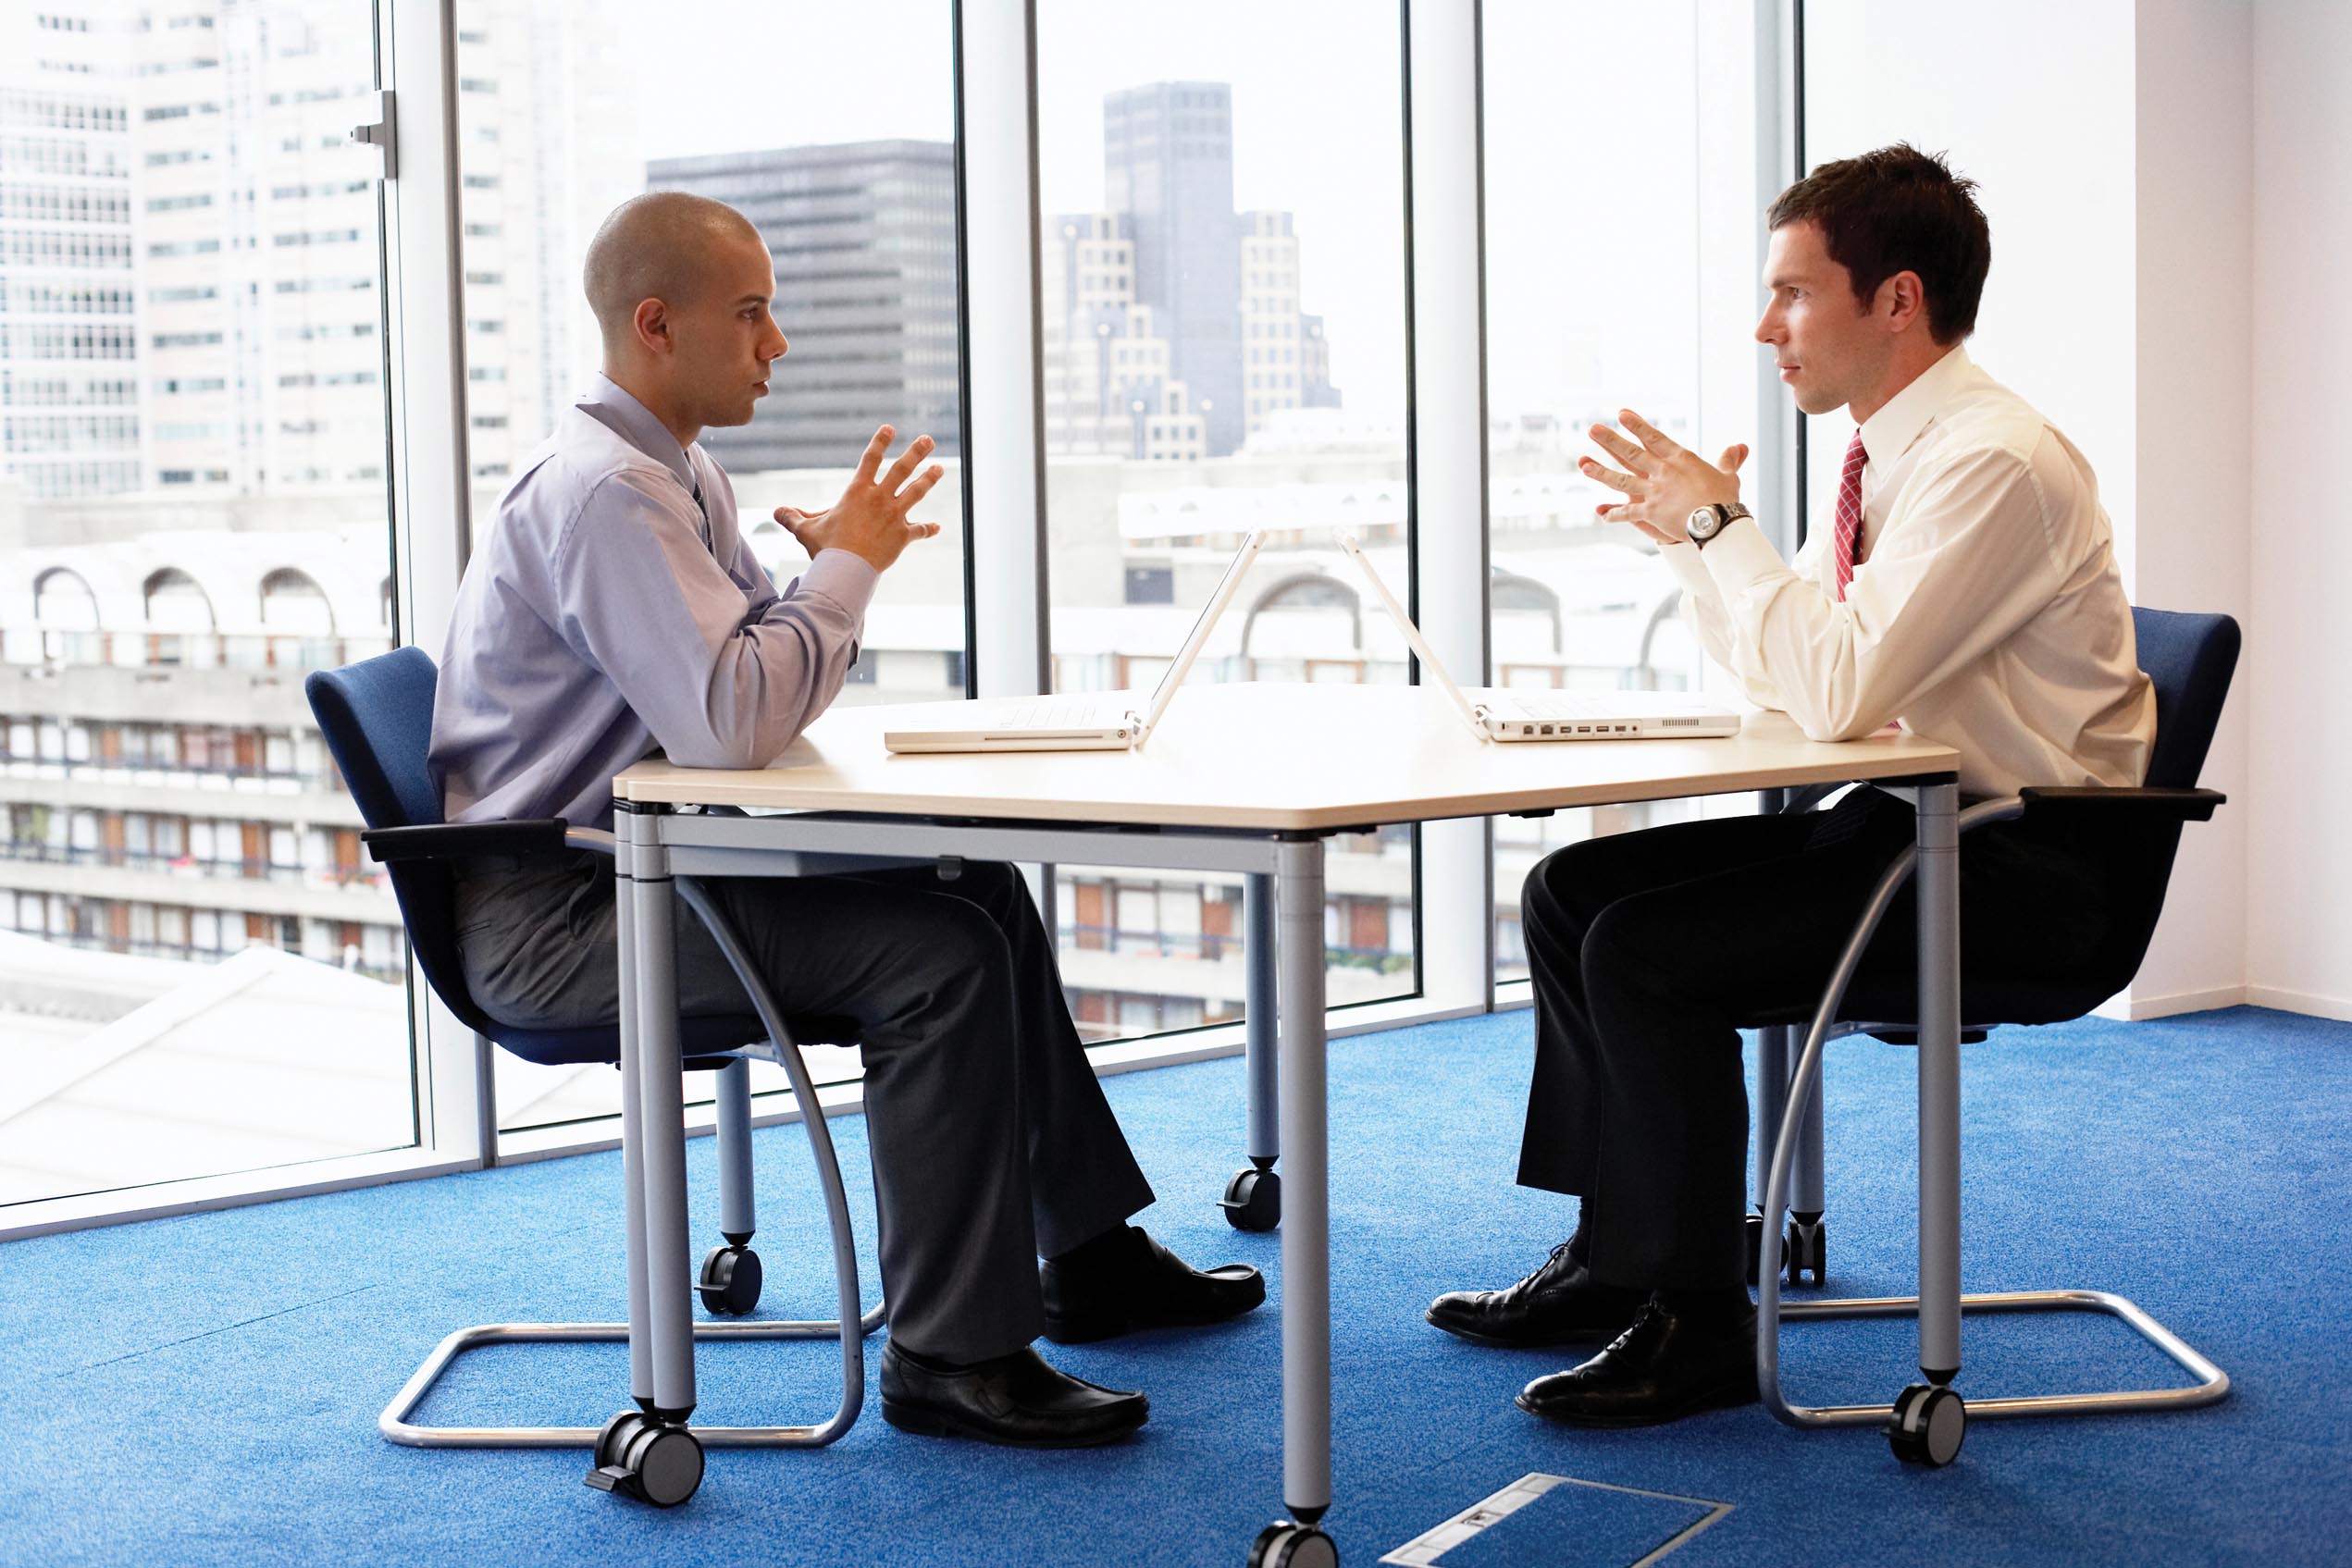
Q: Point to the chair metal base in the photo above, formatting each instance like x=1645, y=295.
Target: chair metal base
x=1940, y=1304
x=395, y=1426
x=2213, y=1384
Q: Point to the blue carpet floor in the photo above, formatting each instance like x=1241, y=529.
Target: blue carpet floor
x=204, y=1390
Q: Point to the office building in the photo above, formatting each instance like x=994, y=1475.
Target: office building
x=70, y=404
x=864, y=239
x=1168, y=170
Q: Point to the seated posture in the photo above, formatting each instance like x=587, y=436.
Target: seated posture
x=1967, y=589
x=615, y=606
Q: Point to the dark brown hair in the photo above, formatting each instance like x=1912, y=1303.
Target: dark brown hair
x=1900, y=210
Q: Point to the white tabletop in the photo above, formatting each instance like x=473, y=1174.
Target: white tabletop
x=1273, y=757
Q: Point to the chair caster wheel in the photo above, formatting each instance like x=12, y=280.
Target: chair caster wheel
x=1253, y=1200
x=730, y=1282
x=1755, y=1244
x=1808, y=1249
x=1930, y=1423
x=1285, y=1544
x=652, y=1461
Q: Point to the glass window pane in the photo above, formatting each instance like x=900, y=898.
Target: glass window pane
x=843, y=155
x=1224, y=349
x=1607, y=289
x=192, y=453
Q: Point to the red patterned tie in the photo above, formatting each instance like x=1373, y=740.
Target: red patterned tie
x=1849, y=512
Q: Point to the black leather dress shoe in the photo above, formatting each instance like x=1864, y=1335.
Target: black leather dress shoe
x=1015, y=1400
x=1560, y=1303
x=1140, y=1284
x=1664, y=1367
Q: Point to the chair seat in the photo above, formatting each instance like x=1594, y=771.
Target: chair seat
x=704, y=1040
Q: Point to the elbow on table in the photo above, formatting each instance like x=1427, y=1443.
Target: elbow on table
x=1835, y=723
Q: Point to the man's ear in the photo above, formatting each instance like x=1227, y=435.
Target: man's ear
x=1903, y=299
x=650, y=324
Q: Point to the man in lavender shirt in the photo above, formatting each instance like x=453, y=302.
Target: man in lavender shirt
x=614, y=607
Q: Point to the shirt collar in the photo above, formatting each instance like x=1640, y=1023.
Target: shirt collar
x=1887, y=434
x=612, y=405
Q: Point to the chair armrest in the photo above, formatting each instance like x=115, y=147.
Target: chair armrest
x=451, y=840
x=2121, y=805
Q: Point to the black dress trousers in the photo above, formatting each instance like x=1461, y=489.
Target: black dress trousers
x=992, y=1141
x=1652, y=949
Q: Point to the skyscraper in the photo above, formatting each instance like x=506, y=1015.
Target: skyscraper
x=863, y=235
x=69, y=330
x=1168, y=168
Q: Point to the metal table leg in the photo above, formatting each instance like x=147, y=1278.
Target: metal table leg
x=662, y=1140
x=1307, y=1257
x=1937, y=877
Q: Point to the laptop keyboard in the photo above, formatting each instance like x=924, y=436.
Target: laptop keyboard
x=1560, y=708
x=1056, y=715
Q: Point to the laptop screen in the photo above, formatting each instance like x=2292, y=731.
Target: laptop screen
x=1173, y=676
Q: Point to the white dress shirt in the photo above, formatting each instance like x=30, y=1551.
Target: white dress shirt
x=1985, y=609
x=614, y=606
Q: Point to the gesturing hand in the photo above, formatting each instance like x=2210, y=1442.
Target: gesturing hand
x=1664, y=483
x=870, y=519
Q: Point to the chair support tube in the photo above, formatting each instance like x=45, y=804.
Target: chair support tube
x=837, y=1201
x=2213, y=1384
x=1261, y=1059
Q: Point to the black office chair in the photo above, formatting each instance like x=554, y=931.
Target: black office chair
x=2189, y=659
x=377, y=717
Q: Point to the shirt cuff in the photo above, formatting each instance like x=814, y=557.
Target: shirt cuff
x=1740, y=557
x=843, y=577
x=1689, y=570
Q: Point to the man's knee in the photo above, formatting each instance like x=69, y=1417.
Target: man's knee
x=1633, y=944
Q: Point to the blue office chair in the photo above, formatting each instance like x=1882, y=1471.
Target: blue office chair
x=377, y=717
x=2189, y=660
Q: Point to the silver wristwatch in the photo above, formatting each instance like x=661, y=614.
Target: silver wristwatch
x=1712, y=518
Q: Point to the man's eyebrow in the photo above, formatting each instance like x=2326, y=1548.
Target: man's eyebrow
x=754, y=300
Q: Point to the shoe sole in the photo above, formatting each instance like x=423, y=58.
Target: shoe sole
x=923, y=1421
x=1715, y=1399
x=1554, y=1342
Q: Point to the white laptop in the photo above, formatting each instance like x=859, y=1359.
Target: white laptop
x=1097, y=722
x=1509, y=715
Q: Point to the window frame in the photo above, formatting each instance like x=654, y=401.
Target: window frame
x=1007, y=652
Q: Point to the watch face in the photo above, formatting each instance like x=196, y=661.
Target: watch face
x=1702, y=523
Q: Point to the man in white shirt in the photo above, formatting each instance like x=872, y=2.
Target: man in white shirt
x=615, y=606
x=1967, y=589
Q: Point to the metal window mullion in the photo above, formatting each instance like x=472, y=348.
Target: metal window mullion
x=1003, y=413
x=1445, y=272
x=1780, y=469
x=431, y=490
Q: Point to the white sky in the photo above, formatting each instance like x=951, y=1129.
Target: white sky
x=1592, y=271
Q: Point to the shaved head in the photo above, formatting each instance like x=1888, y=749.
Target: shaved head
x=658, y=246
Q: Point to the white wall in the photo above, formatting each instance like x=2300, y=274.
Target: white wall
x=2298, y=647
x=2170, y=186
x=2191, y=404
x=2046, y=132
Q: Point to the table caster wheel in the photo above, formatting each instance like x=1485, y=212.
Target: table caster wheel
x=1755, y=1244
x=1253, y=1200
x=730, y=1282
x=1807, y=1247
x=1929, y=1424
x=1285, y=1544
x=652, y=1461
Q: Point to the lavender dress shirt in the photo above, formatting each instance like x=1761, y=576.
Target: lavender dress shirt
x=614, y=607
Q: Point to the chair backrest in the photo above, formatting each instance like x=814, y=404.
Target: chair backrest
x=377, y=717
x=2190, y=658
